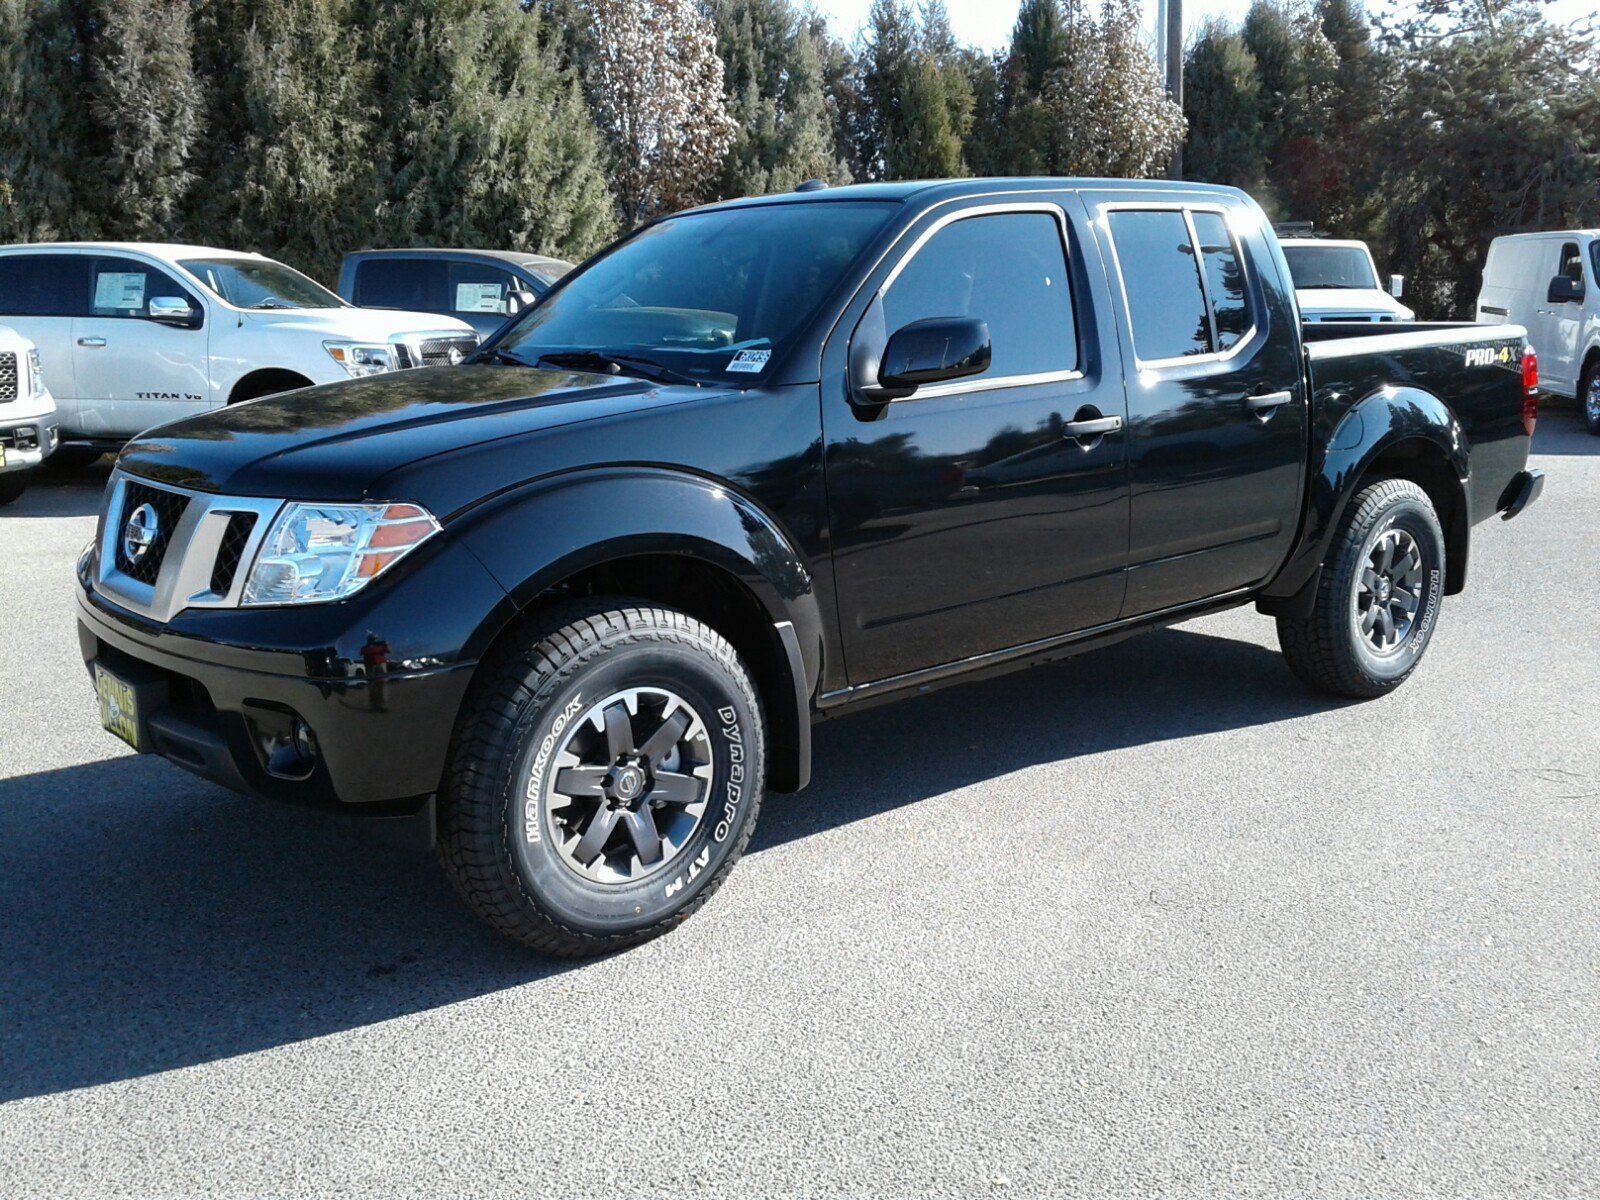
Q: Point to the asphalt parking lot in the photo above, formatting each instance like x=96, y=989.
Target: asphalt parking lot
x=1156, y=921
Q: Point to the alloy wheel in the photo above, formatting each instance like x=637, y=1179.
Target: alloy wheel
x=1389, y=591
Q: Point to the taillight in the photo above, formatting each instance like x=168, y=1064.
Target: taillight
x=1530, y=389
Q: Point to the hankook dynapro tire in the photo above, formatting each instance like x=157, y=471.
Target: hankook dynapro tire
x=606, y=775
x=1379, y=595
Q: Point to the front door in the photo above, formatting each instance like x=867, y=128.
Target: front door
x=1216, y=404
x=969, y=517
x=134, y=371
x=1566, y=325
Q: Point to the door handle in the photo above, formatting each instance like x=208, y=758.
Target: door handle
x=91, y=341
x=1262, y=406
x=1093, y=427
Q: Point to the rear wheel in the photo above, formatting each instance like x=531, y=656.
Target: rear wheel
x=606, y=776
x=1378, y=597
x=1589, y=397
x=13, y=484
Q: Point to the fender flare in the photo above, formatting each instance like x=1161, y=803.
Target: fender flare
x=536, y=535
x=1382, y=422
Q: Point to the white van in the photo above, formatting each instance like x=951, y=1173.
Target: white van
x=1338, y=281
x=28, y=432
x=132, y=335
x=1549, y=283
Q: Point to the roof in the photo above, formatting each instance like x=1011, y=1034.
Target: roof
x=168, y=250
x=954, y=189
x=521, y=258
x=1342, y=243
x=1548, y=233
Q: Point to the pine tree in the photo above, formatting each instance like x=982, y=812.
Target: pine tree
x=916, y=92
x=40, y=74
x=144, y=114
x=776, y=95
x=481, y=138
x=1222, y=103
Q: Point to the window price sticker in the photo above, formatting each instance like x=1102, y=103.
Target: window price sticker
x=119, y=289
x=479, y=298
x=750, y=362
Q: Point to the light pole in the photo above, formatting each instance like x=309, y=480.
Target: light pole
x=1172, y=22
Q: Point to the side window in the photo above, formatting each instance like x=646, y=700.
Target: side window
x=1165, y=301
x=1007, y=269
x=410, y=283
x=479, y=289
x=1224, y=275
x=43, y=285
x=124, y=287
x=1571, y=262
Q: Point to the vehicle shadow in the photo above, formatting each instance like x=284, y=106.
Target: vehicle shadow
x=1561, y=431
x=73, y=491
x=149, y=921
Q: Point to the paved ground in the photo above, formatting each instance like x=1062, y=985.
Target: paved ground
x=1153, y=922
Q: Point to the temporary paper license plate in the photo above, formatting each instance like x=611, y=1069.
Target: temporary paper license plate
x=119, y=711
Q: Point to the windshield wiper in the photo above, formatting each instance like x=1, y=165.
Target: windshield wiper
x=500, y=356
x=271, y=304
x=607, y=362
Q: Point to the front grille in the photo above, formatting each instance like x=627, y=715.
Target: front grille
x=168, y=508
x=436, y=351
x=234, y=539
x=8, y=376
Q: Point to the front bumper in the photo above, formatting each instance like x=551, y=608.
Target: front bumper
x=223, y=712
x=27, y=441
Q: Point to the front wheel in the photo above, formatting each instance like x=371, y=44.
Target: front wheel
x=606, y=775
x=1589, y=397
x=13, y=484
x=1378, y=598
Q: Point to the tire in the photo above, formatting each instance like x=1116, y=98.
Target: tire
x=13, y=484
x=1589, y=397
x=540, y=759
x=1336, y=649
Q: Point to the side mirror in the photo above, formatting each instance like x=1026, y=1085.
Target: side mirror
x=933, y=351
x=1397, y=286
x=1565, y=290
x=171, y=310
x=517, y=301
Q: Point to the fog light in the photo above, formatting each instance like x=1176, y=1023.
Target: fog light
x=27, y=437
x=305, y=742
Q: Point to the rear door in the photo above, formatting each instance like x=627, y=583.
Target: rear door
x=1216, y=406
x=133, y=371
x=39, y=294
x=968, y=517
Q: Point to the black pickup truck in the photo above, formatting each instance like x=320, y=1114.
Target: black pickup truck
x=573, y=607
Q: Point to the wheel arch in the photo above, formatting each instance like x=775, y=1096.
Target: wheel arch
x=266, y=381
x=673, y=539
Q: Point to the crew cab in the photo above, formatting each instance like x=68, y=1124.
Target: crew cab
x=28, y=432
x=480, y=287
x=137, y=334
x=572, y=608
x=1338, y=281
x=1550, y=284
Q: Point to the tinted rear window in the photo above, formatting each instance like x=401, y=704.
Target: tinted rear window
x=1165, y=303
x=44, y=285
x=410, y=283
x=1230, y=304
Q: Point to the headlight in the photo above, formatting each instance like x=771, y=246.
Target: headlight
x=36, y=372
x=363, y=358
x=317, y=552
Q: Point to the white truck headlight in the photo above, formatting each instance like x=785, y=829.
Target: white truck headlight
x=363, y=358
x=36, y=374
x=319, y=552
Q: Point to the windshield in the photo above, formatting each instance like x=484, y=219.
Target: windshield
x=707, y=296
x=1330, y=267
x=255, y=283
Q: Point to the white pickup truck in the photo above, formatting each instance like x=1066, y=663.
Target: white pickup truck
x=28, y=432
x=1338, y=281
x=133, y=335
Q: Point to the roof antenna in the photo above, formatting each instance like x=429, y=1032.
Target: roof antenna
x=813, y=185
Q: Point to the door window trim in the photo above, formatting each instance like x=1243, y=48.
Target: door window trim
x=1246, y=268
x=958, y=387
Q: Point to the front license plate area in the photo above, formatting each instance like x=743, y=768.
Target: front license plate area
x=119, y=706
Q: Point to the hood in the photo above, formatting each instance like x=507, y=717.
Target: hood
x=1357, y=301
x=11, y=340
x=357, y=324
x=336, y=441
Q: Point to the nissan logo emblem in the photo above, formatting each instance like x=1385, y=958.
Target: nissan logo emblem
x=139, y=534
x=456, y=356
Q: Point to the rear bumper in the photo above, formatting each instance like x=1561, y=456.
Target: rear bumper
x=381, y=740
x=1522, y=491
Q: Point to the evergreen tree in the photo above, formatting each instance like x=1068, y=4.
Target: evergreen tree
x=39, y=76
x=776, y=94
x=481, y=138
x=144, y=114
x=916, y=92
x=1222, y=103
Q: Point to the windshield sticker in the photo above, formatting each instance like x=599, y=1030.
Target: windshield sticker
x=479, y=298
x=119, y=289
x=750, y=362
